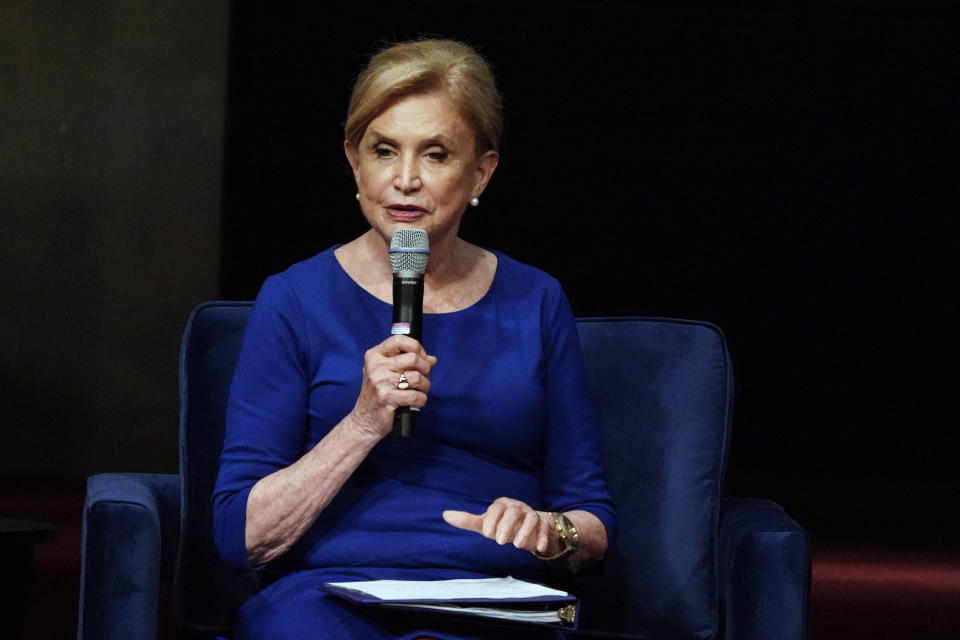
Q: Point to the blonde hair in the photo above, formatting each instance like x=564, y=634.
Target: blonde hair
x=428, y=65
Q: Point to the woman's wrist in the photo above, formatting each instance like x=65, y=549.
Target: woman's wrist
x=363, y=427
x=562, y=536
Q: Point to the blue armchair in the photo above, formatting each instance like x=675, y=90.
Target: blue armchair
x=688, y=563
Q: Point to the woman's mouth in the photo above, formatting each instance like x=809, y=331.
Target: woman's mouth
x=405, y=212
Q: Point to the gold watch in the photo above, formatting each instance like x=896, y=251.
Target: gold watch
x=569, y=538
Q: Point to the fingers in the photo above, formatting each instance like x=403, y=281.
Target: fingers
x=400, y=354
x=528, y=532
x=463, y=520
x=409, y=362
x=543, y=538
x=491, y=519
x=380, y=392
x=414, y=380
x=399, y=344
x=506, y=521
x=384, y=363
x=510, y=523
x=387, y=378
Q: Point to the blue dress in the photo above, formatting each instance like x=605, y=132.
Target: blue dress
x=507, y=415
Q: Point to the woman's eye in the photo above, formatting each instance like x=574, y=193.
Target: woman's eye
x=438, y=156
x=382, y=152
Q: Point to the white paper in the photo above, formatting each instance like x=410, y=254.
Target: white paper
x=466, y=589
x=502, y=614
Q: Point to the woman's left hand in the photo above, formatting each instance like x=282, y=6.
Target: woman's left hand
x=510, y=521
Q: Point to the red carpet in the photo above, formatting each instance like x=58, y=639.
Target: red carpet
x=881, y=593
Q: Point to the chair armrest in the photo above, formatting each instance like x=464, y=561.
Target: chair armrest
x=130, y=525
x=764, y=572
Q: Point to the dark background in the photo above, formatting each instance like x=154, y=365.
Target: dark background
x=788, y=174
x=111, y=159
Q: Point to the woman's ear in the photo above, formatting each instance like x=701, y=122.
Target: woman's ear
x=353, y=157
x=486, y=165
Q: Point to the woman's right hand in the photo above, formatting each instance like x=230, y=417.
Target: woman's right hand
x=379, y=394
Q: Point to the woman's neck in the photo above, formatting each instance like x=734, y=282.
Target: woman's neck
x=458, y=273
x=450, y=260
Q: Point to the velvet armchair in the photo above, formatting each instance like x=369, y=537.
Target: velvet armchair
x=688, y=564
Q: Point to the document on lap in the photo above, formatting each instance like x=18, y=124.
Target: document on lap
x=499, y=598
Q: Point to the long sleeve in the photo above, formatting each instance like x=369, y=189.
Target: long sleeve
x=572, y=476
x=266, y=412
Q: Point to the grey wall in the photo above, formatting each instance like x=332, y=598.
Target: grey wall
x=111, y=136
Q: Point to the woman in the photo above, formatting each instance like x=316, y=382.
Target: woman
x=504, y=460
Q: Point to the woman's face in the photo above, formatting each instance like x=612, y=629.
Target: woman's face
x=417, y=166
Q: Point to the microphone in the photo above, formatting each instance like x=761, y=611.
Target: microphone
x=409, y=252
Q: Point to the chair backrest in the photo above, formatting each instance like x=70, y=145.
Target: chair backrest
x=662, y=393
x=207, y=594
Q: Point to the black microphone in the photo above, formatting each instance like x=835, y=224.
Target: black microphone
x=409, y=252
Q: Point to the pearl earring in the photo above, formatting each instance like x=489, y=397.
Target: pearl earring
x=358, y=196
x=475, y=202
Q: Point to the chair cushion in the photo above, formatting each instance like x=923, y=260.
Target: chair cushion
x=662, y=394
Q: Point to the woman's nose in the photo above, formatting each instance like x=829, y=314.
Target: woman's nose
x=408, y=174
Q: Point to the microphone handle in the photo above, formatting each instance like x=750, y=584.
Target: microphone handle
x=407, y=319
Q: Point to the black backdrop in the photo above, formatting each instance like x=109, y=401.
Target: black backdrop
x=788, y=175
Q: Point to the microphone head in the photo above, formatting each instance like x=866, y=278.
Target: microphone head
x=409, y=251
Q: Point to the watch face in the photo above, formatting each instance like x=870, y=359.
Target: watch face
x=568, y=532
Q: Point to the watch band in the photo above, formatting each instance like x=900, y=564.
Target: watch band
x=569, y=537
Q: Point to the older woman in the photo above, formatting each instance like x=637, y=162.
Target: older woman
x=504, y=461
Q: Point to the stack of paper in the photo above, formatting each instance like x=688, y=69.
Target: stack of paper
x=500, y=598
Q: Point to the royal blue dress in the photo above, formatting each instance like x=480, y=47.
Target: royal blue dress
x=507, y=415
